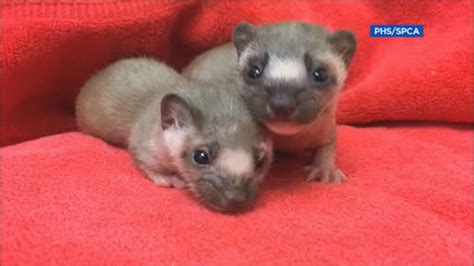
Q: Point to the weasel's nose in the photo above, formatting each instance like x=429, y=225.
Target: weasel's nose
x=236, y=199
x=241, y=195
x=282, y=104
x=229, y=198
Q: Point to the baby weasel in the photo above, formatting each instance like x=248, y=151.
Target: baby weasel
x=290, y=75
x=180, y=134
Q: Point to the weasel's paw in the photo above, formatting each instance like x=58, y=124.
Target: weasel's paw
x=323, y=174
x=169, y=181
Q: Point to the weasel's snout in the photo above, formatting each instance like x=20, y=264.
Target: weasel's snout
x=227, y=196
x=290, y=106
x=282, y=105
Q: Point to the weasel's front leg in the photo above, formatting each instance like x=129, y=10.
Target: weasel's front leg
x=323, y=168
x=164, y=179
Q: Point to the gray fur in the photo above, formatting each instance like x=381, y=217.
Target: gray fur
x=293, y=40
x=287, y=96
x=288, y=39
x=216, y=65
x=123, y=105
x=110, y=102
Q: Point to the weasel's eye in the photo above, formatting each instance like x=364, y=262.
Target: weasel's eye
x=254, y=73
x=320, y=75
x=201, y=157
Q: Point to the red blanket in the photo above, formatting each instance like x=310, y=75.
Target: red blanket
x=71, y=199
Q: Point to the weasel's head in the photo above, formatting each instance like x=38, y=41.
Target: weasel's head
x=217, y=146
x=293, y=71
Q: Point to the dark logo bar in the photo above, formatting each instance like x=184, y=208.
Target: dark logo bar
x=387, y=31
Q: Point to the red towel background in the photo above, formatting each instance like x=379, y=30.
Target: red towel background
x=71, y=199
x=50, y=50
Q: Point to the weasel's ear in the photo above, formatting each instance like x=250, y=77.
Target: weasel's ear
x=243, y=34
x=344, y=43
x=175, y=112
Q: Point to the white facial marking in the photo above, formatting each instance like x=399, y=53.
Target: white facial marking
x=237, y=162
x=285, y=68
x=174, y=140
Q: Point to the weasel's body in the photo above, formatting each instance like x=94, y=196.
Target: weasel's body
x=179, y=133
x=218, y=64
x=290, y=75
x=109, y=103
x=221, y=65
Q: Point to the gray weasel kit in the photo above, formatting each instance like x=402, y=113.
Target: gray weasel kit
x=180, y=133
x=290, y=75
